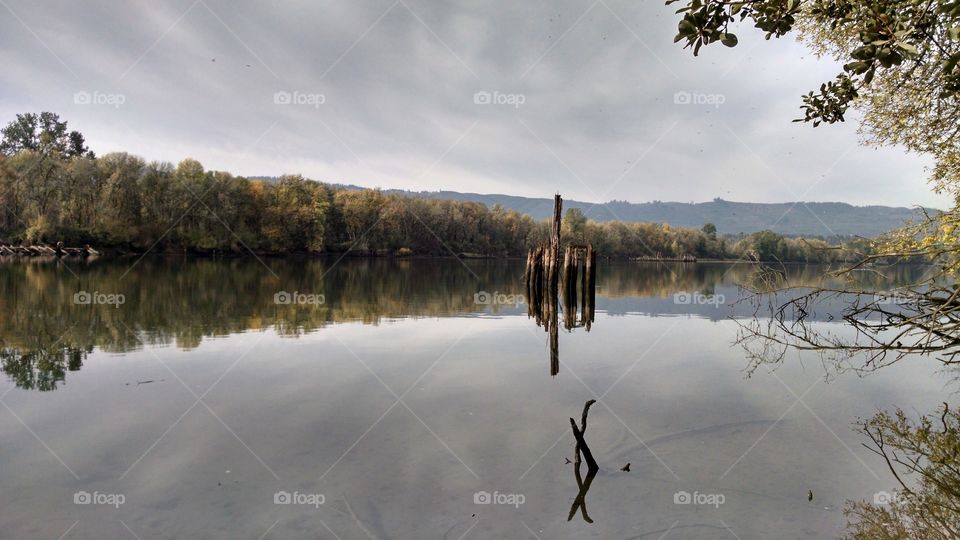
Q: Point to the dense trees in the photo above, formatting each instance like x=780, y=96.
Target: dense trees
x=44, y=133
x=51, y=191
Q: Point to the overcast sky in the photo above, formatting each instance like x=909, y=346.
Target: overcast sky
x=493, y=96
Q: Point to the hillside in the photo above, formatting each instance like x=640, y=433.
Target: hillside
x=807, y=219
x=824, y=219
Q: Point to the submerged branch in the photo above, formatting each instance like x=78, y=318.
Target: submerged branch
x=583, y=428
x=582, y=448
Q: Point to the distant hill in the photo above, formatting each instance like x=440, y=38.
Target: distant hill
x=823, y=219
x=806, y=219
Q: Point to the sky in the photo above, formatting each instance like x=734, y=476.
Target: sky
x=591, y=99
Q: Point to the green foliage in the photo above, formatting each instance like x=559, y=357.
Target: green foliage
x=574, y=224
x=708, y=21
x=44, y=133
x=870, y=36
x=767, y=246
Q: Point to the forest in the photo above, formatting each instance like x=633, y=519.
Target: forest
x=54, y=188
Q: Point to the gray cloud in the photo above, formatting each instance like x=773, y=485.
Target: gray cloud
x=598, y=82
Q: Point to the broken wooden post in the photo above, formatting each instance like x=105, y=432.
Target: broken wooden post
x=555, y=244
x=557, y=207
x=590, y=293
x=546, y=270
x=584, y=449
x=583, y=427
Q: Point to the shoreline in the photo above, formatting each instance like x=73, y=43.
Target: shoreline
x=109, y=254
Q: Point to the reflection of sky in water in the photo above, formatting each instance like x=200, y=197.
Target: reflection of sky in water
x=305, y=414
x=493, y=420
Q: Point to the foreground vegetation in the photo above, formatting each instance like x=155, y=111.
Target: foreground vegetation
x=901, y=72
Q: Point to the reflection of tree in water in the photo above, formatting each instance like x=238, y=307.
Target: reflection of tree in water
x=41, y=369
x=883, y=321
x=924, y=457
x=181, y=302
x=177, y=301
x=879, y=322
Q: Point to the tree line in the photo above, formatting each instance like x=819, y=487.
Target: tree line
x=54, y=189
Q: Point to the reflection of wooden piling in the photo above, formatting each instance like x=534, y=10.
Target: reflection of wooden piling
x=579, y=262
x=554, y=349
x=526, y=269
x=583, y=287
x=569, y=288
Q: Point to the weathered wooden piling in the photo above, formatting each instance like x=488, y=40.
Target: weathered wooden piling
x=590, y=293
x=544, y=273
x=546, y=256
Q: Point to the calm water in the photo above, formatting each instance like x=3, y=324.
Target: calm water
x=389, y=395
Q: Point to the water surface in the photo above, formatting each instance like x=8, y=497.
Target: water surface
x=399, y=399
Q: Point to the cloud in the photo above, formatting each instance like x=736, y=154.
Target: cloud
x=398, y=79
